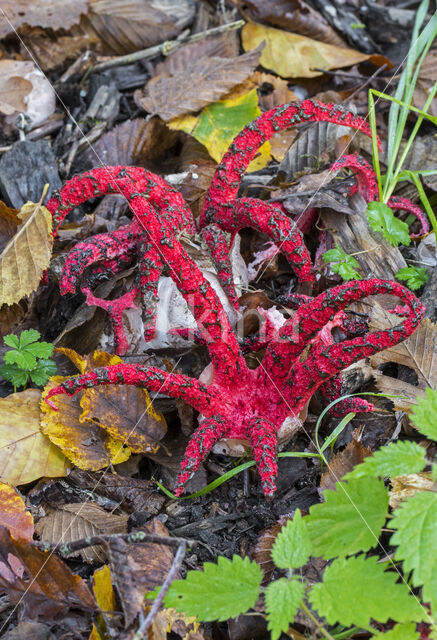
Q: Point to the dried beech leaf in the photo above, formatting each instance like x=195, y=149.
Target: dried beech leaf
x=42, y=584
x=343, y=462
x=225, y=45
x=127, y=414
x=80, y=520
x=55, y=14
x=199, y=83
x=125, y=26
x=27, y=255
x=170, y=622
x=394, y=386
x=196, y=184
x=13, y=514
x=138, y=568
x=291, y=15
x=418, y=352
x=25, y=453
x=85, y=444
x=294, y=56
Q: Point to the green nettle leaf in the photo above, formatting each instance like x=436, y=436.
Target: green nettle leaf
x=346, y=265
x=28, y=336
x=40, y=349
x=350, y=519
x=395, y=459
x=356, y=590
x=415, y=521
x=415, y=276
x=42, y=372
x=424, y=414
x=14, y=374
x=221, y=591
x=292, y=545
x=282, y=599
x=382, y=219
x=12, y=340
x=406, y=631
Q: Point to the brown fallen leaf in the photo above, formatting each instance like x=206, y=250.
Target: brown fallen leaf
x=13, y=514
x=418, y=352
x=353, y=454
x=295, y=16
x=25, y=453
x=80, y=520
x=138, y=568
x=170, y=621
x=125, y=26
x=198, y=84
x=55, y=14
x=127, y=414
x=27, y=254
x=52, y=53
x=42, y=584
x=293, y=56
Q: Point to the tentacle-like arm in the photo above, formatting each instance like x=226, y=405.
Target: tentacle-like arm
x=174, y=385
x=126, y=181
x=101, y=247
x=250, y=212
x=367, y=186
x=263, y=440
x=225, y=184
x=310, y=319
x=220, y=249
x=325, y=361
x=204, y=438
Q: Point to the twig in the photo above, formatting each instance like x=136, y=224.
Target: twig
x=368, y=81
x=165, y=47
x=171, y=575
x=67, y=548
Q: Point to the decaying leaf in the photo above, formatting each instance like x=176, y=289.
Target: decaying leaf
x=343, y=462
x=25, y=453
x=404, y=487
x=85, y=444
x=127, y=414
x=106, y=600
x=418, y=352
x=198, y=84
x=27, y=254
x=13, y=514
x=80, y=520
x=171, y=621
x=263, y=550
x=128, y=25
x=42, y=584
x=55, y=14
x=294, y=56
x=138, y=568
x=220, y=122
x=295, y=16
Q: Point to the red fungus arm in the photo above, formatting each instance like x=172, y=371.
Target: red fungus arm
x=174, y=385
x=225, y=184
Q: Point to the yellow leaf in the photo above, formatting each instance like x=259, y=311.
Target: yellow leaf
x=25, y=453
x=85, y=444
x=167, y=620
x=13, y=514
x=106, y=599
x=27, y=254
x=293, y=56
x=219, y=123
